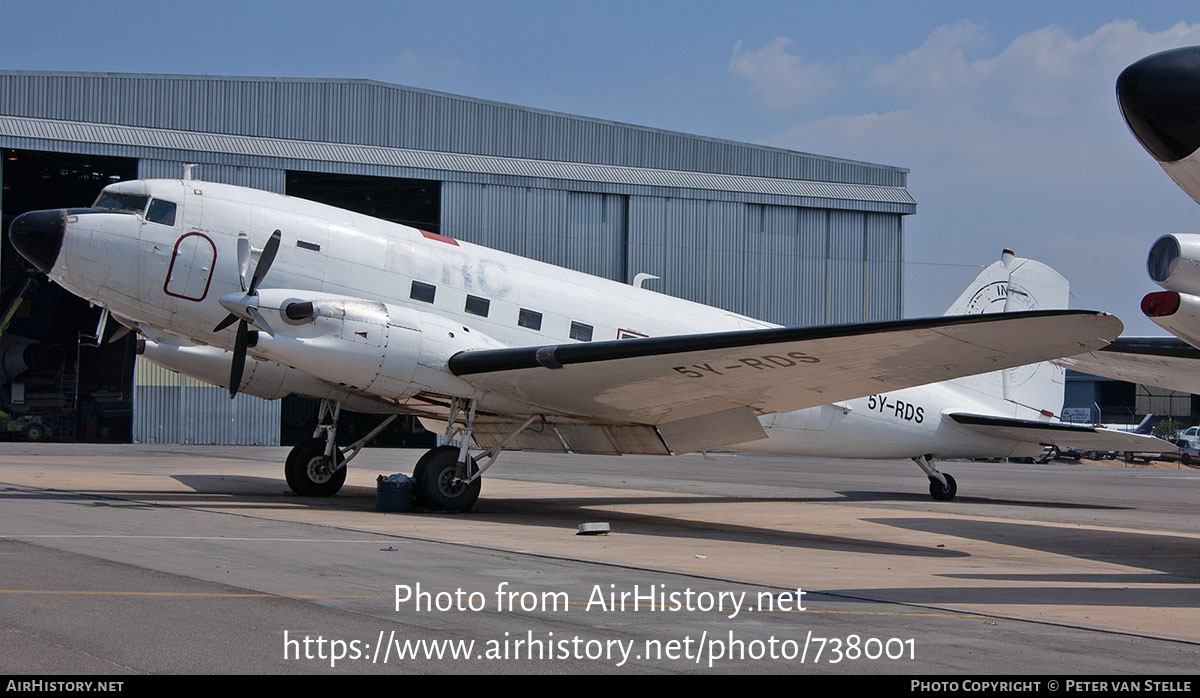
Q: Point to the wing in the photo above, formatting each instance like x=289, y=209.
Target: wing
x=1078, y=436
x=665, y=380
x=1166, y=362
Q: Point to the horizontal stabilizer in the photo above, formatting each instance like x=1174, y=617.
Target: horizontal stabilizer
x=1077, y=436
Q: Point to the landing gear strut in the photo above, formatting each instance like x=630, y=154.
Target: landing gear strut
x=942, y=486
x=317, y=467
x=447, y=478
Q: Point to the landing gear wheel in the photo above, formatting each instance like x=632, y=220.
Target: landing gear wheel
x=308, y=472
x=943, y=493
x=36, y=432
x=437, y=488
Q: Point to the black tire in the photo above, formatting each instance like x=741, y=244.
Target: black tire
x=308, y=475
x=940, y=493
x=36, y=432
x=432, y=481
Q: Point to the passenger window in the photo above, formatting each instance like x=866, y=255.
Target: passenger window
x=530, y=318
x=478, y=306
x=581, y=331
x=422, y=292
x=161, y=212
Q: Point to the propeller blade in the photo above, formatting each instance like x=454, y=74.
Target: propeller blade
x=243, y=255
x=260, y=321
x=229, y=320
x=265, y=260
x=239, y=359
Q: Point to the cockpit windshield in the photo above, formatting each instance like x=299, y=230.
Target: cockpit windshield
x=116, y=201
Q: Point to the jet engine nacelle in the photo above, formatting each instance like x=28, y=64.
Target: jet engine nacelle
x=1177, y=313
x=1174, y=263
x=384, y=349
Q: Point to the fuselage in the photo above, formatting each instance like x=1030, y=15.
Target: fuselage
x=168, y=259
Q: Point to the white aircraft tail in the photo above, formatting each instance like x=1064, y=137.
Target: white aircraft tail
x=1009, y=285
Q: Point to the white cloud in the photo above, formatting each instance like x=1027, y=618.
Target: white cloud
x=782, y=79
x=1019, y=146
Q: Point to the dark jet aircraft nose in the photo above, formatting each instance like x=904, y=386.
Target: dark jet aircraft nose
x=1160, y=99
x=38, y=236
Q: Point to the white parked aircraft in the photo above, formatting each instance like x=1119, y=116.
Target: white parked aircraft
x=1159, y=97
x=503, y=351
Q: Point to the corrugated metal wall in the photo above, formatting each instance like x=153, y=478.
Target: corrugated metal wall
x=578, y=230
x=265, y=178
x=173, y=409
x=884, y=268
x=789, y=265
x=374, y=113
x=170, y=408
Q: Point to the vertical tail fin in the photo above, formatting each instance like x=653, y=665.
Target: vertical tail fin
x=1014, y=284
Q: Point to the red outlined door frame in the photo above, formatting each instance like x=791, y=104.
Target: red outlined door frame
x=175, y=258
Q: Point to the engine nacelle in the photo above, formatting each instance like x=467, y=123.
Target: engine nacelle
x=264, y=379
x=1177, y=313
x=387, y=350
x=1174, y=263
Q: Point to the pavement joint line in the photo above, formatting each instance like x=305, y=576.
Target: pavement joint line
x=616, y=565
x=376, y=597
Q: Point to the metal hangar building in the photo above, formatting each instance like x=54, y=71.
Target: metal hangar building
x=789, y=237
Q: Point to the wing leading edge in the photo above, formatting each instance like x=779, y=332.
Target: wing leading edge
x=668, y=380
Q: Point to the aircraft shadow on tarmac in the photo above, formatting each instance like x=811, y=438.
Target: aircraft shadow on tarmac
x=237, y=493
x=923, y=498
x=1176, y=558
x=1175, y=561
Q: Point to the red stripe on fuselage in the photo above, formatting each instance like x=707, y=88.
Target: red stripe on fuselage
x=439, y=238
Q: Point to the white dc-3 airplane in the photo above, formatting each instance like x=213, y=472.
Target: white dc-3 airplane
x=272, y=295
x=1159, y=97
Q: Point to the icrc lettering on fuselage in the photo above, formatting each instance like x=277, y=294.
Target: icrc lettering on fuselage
x=449, y=267
x=766, y=362
x=898, y=408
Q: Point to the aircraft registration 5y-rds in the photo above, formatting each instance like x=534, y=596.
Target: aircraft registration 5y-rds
x=272, y=295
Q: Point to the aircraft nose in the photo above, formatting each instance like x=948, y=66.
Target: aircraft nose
x=38, y=236
x=1160, y=99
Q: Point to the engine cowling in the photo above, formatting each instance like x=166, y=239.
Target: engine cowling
x=388, y=350
x=1175, y=312
x=1174, y=263
x=264, y=379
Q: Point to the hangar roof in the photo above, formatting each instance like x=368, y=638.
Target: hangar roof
x=371, y=113
x=157, y=140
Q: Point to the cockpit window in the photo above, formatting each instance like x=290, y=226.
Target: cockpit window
x=162, y=212
x=115, y=201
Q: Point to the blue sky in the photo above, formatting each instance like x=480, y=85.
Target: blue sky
x=1003, y=111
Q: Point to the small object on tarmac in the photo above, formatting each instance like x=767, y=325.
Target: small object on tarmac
x=599, y=528
x=394, y=493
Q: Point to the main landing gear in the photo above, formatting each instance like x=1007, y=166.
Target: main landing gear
x=942, y=486
x=317, y=467
x=446, y=478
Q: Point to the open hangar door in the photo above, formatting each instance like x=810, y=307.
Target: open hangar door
x=54, y=373
x=412, y=202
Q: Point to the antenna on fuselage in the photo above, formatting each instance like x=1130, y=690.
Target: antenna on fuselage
x=187, y=171
x=643, y=277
